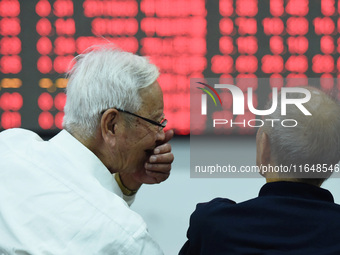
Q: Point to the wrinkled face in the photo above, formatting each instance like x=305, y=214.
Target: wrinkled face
x=136, y=143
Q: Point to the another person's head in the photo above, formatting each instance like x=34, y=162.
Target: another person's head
x=105, y=86
x=315, y=141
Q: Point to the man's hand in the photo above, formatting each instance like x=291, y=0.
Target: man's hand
x=156, y=170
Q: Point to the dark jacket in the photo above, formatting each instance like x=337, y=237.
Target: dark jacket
x=286, y=218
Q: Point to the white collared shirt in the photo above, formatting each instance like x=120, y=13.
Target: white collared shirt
x=57, y=197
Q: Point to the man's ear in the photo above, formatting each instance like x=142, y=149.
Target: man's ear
x=265, y=151
x=262, y=148
x=108, y=125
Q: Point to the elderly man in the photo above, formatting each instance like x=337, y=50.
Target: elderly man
x=292, y=214
x=71, y=194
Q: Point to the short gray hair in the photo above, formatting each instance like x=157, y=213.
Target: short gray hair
x=104, y=77
x=316, y=138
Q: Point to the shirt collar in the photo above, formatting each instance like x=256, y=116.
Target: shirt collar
x=87, y=162
x=296, y=189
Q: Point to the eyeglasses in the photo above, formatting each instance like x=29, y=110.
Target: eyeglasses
x=161, y=124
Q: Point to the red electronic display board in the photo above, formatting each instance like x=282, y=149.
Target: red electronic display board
x=184, y=38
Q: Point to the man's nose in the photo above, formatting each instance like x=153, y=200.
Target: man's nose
x=160, y=136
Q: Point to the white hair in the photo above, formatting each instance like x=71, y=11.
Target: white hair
x=103, y=78
x=316, y=138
